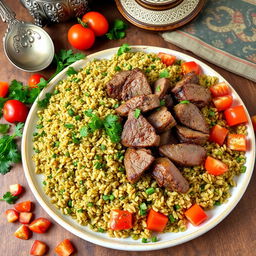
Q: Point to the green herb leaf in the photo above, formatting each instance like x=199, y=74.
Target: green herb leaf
x=9, y=198
x=143, y=209
x=71, y=71
x=137, y=113
x=184, y=102
x=124, y=48
x=150, y=191
x=117, y=31
x=158, y=88
x=71, y=112
x=113, y=127
x=44, y=102
x=171, y=218
x=164, y=73
x=4, y=128
x=154, y=239
x=117, y=68
x=144, y=240
x=84, y=131
x=162, y=102
x=69, y=126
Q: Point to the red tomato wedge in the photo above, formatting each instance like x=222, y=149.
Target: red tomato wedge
x=40, y=225
x=220, y=89
x=196, y=215
x=12, y=215
x=218, y=134
x=235, y=115
x=190, y=66
x=24, y=206
x=156, y=221
x=4, y=88
x=25, y=217
x=223, y=102
x=214, y=166
x=16, y=189
x=166, y=58
x=23, y=232
x=38, y=248
x=237, y=142
x=253, y=118
x=120, y=220
x=65, y=248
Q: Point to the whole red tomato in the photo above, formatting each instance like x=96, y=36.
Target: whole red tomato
x=80, y=37
x=4, y=87
x=15, y=111
x=34, y=80
x=96, y=22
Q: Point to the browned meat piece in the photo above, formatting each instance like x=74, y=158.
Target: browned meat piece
x=167, y=138
x=138, y=132
x=144, y=103
x=167, y=175
x=162, y=119
x=115, y=85
x=136, y=161
x=195, y=93
x=190, y=78
x=161, y=87
x=191, y=136
x=168, y=100
x=184, y=154
x=135, y=85
x=190, y=115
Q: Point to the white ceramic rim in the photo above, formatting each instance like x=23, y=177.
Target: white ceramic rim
x=118, y=244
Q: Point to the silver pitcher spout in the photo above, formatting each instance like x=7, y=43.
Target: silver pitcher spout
x=55, y=11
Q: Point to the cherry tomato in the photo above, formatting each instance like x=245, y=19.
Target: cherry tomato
x=15, y=111
x=190, y=66
x=167, y=59
x=40, y=225
x=235, y=115
x=96, y=22
x=80, y=37
x=4, y=87
x=223, y=102
x=34, y=80
x=220, y=89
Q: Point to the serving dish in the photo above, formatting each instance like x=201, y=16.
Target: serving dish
x=216, y=215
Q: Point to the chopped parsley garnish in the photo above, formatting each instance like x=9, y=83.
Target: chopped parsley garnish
x=124, y=48
x=102, y=147
x=69, y=126
x=144, y=240
x=44, y=102
x=243, y=169
x=137, y=113
x=90, y=204
x=9, y=198
x=217, y=203
x=117, y=68
x=184, y=102
x=154, y=239
x=101, y=230
x=80, y=210
x=71, y=71
x=150, y=191
x=143, y=209
x=164, y=73
x=104, y=73
x=158, y=88
x=171, y=218
x=113, y=127
x=70, y=203
x=176, y=207
x=162, y=102
x=98, y=165
x=71, y=112
x=118, y=30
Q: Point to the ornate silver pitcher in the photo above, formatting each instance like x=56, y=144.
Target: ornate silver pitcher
x=52, y=11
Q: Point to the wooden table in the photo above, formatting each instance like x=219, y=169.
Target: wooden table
x=233, y=236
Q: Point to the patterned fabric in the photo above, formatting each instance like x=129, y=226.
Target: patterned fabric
x=224, y=33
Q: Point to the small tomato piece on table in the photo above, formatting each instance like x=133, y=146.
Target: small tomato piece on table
x=11, y=215
x=80, y=37
x=120, y=220
x=38, y=248
x=156, y=221
x=237, y=142
x=65, y=248
x=25, y=217
x=214, y=166
x=220, y=89
x=196, y=215
x=23, y=232
x=190, y=66
x=96, y=22
x=15, y=111
x=223, y=102
x=40, y=225
x=166, y=58
x=4, y=88
x=218, y=134
x=235, y=115
x=16, y=189
x=23, y=206
x=253, y=118
x=34, y=80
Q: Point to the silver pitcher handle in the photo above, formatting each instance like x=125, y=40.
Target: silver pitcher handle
x=6, y=13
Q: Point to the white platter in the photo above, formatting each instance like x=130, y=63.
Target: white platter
x=216, y=215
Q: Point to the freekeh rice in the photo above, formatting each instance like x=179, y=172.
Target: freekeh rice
x=85, y=176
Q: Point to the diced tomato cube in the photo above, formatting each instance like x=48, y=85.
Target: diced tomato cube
x=235, y=115
x=40, y=225
x=65, y=248
x=23, y=232
x=196, y=215
x=25, y=217
x=191, y=66
x=12, y=215
x=24, y=206
x=156, y=221
x=120, y=219
x=220, y=89
x=223, y=102
x=16, y=189
x=218, y=134
x=214, y=166
x=237, y=142
x=166, y=58
x=38, y=248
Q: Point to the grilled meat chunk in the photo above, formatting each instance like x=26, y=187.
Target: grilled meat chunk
x=184, y=154
x=136, y=162
x=138, y=132
x=190, y=115
x=144, y=103
x=162, y=119
x=168, y=101
x=167, y=138
x=136, y=84
x=167, y=175
x=161, y=87
x=187, y=135
x=189, y=78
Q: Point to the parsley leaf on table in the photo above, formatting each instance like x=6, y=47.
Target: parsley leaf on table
x=124, y=48
x=118, y=30
x=9, y=198
x=4, y=128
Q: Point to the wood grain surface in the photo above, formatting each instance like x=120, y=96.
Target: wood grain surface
x=235, y=235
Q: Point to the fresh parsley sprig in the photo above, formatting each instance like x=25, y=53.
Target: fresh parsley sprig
x=118, y=30
x=9, y=198
x=124, y=48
